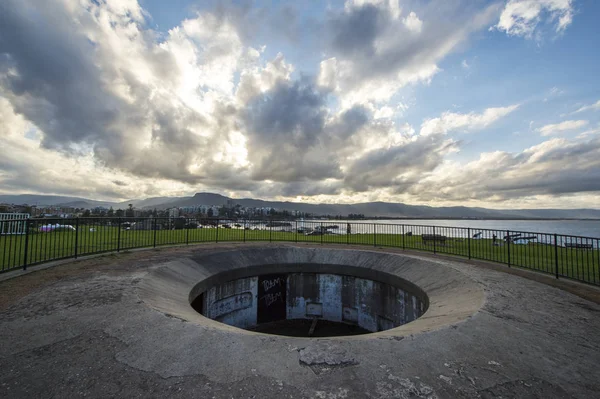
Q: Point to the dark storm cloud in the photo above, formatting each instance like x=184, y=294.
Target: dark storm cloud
x=378, y=44
x=398, y=167
x=67, y=93
x=354, y=33
x=58, y=86
x=351, y=121
x=286, y=134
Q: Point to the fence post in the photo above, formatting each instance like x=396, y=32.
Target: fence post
x=434, y=248
x=556, y=255
x=76, y=235
x=155, y=228
x=187, y=232
x=217, y=233
x=348, y=232
x=244, y=227
x=469, y=241
x=296, y=231
x=403, y=238
x=374, y=235
x=271, y=231
x=26, y=244
x=508, y=245
x=119, y=236
x=322, y=233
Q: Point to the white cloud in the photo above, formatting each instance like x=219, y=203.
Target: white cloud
x=450, y=121
x=377, y=54
x=521, y=17
x=540, y=174
x=465, y=64
x=413, y=23
x=328, y=74
x=588, y=133
x=548, y=130
x=594, y=107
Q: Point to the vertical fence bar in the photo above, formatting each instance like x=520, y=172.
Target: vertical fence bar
x=556, y=255
x=469, y=241
x=217, y=232
x=322, y=233
x=434, y=238
x=119, y=236
x=403, y=238
x=76, y=236
x=348, y=232
x=296, y=231
x=597, y=253
x=155, y=228
x=508, y=246
x=187, y=232
x=26, y=244
x=271, y=231
x=374, y=235
x=244, y=227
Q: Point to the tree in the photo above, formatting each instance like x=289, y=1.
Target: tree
x=129, y=212
x=87, y=213
x=111, y=212
x=119, y=213
x=210, y=213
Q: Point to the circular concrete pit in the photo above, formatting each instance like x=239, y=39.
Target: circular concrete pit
x=305, y=304
x=311, y=292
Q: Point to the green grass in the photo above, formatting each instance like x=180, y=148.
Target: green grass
x=578, y=264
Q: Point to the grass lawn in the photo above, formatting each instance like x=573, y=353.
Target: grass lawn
x=579, y=264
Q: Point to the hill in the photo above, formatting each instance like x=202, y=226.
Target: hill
x=369, y=209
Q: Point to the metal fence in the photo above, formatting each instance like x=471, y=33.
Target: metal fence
x=45, y=240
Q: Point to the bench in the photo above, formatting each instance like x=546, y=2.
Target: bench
x=433, y=237
x=578, y=245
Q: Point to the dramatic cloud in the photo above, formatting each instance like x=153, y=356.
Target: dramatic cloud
x=554, y=167
x=95, y=102
x=375, y=51
x=450, y=121
x=562, y=127
x=521, y=17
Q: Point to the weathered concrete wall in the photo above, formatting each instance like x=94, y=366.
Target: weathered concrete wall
x=372, y=305
x=232, y=303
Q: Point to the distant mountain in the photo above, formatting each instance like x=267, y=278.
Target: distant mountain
x=53, y=200
x=369, y=209
x=387, y=209
x=148, y=202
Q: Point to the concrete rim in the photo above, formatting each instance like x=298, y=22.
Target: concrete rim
x=449, y=295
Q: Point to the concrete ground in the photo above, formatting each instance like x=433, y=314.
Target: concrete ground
x=82, y=329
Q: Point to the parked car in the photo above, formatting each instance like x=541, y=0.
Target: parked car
x=56, y=227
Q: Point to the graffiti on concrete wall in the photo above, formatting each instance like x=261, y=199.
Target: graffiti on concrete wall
x=230, y=304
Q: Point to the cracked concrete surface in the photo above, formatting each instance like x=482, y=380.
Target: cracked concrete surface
x=81, y=329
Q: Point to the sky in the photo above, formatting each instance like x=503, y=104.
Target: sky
x=442, y=102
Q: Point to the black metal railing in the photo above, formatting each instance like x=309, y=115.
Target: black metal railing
x=25, y=242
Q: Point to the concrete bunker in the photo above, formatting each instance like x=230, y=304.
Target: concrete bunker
x=318, y=278
x=310, y=300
